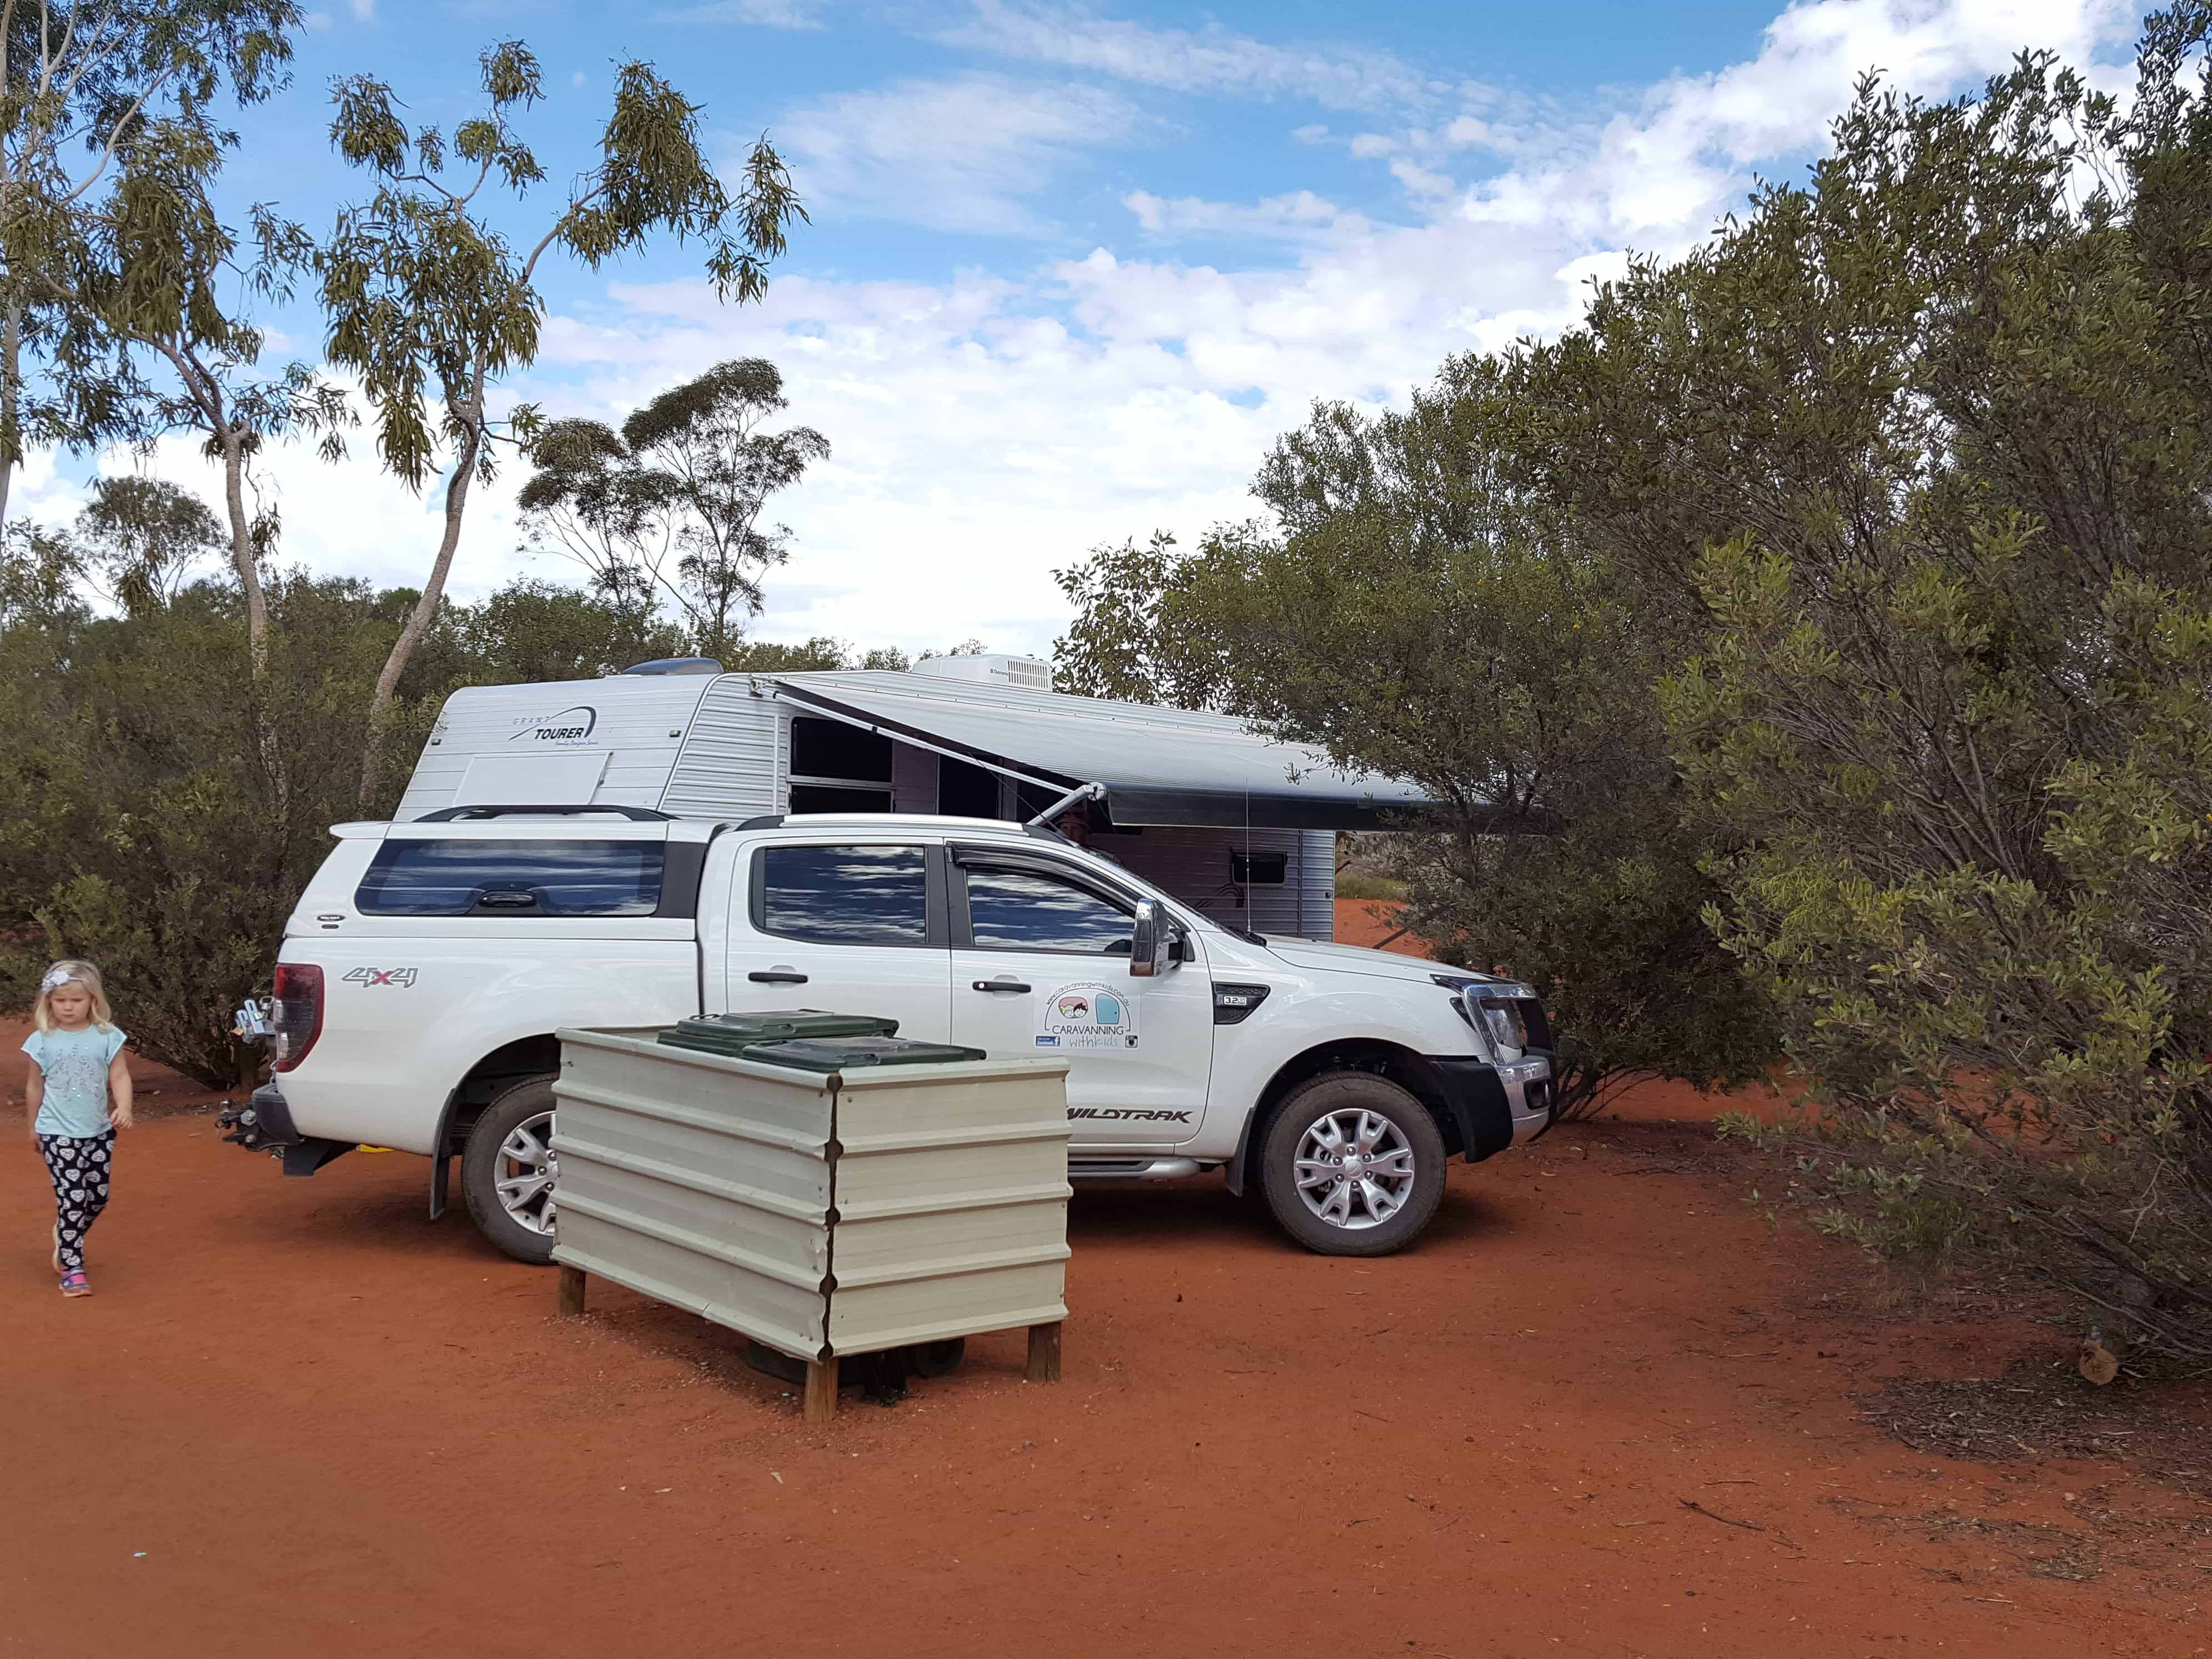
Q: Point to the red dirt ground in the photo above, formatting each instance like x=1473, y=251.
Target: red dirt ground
x=297, y=1418
x=1372, y=922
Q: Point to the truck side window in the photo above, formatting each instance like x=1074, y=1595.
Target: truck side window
x=1023, y=910
x=513, y=878
x=845, y=894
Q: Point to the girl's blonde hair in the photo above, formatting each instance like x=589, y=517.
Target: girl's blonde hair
x=71, y=972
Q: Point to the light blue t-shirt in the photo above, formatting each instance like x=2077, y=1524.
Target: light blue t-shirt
x=75, y=1066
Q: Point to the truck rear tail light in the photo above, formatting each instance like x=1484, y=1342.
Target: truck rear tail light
x=297, y=1014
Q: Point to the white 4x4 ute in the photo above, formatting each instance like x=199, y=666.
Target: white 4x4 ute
x=429, y=963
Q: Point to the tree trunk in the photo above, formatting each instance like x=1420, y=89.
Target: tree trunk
x=241, y=551
x=418, y=620
x=11, y=402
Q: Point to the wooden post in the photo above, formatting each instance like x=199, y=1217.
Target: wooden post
x=571, y=1291
x=820, y=1403
x=1044, y=1353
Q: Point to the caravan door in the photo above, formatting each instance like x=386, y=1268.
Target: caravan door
x=1041, y=966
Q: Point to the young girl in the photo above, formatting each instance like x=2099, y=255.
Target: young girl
x=76, y=1067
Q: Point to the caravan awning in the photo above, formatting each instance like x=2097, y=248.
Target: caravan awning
x=1159, y=766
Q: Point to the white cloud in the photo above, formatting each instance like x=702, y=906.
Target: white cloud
x=764, y=14
x=1658, y=174
x=1210, y=59
x=963, y=153
x=1298, y=215
x=990, y=427
x=364, y=11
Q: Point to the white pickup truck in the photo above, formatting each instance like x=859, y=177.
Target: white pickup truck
x=430, y=963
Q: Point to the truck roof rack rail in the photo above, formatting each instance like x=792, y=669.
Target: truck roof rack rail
x=450, y=814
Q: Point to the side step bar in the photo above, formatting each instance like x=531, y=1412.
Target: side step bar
x=1133, y=1169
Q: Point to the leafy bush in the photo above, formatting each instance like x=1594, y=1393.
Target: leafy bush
x=1948, y=721
x=1409, y=614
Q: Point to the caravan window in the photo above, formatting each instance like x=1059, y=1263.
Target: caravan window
x=513, y=879
x=836, y=768
x=831, y=749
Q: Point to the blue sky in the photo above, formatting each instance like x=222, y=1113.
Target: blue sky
x=1072, y=268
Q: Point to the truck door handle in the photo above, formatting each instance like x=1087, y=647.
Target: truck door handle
x=777, y=977
x=1000, y=985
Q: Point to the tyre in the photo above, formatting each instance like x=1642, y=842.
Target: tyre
x=937, y=1359
x=1351, y=1164
x=508, y=1170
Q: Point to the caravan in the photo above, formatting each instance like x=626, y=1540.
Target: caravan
x=1239, y=828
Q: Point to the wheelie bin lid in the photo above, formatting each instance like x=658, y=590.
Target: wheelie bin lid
x=732, y=1034
x=846, y=1054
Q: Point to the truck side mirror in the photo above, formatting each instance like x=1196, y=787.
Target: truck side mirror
x=1147, y=939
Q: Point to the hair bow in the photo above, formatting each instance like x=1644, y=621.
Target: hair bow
x=55, y=979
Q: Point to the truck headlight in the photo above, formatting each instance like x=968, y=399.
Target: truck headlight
x=1499, y=1010
x=1502, y=1018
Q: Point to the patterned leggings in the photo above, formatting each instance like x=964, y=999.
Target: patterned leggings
x=79, y=1168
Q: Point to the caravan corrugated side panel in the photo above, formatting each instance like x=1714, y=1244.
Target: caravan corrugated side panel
x=951, y=1198
x=1313, y=871
x=699, y=1181
x=1193, y=865
x=730, y=765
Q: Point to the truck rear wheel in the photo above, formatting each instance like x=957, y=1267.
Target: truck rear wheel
x=508, y=1170
x=1351, y=1164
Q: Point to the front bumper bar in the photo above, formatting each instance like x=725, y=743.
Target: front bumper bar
x=1496, y=1105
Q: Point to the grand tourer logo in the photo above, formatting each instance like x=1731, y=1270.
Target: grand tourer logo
x=571, y=725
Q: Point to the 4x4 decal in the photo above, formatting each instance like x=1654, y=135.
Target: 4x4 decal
x=402, y=977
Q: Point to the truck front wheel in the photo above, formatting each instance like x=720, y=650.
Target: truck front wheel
x=508, y=1171
x=1351, y=1164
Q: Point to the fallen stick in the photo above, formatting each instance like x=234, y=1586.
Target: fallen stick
x=1695, y=1508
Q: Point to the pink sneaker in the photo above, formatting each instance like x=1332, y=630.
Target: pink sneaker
x=74, y=1284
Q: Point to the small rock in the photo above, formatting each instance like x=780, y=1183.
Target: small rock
x=2096, y=1361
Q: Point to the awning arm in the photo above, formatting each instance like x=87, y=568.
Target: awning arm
x=1075, y=797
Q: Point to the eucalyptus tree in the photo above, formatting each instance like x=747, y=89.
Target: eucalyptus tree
x=674, y=504
x=146, y=538
x=145, y=288
x=431, y=304
x=90, y=91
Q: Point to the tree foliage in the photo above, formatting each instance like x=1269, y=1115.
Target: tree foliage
x=1404, y=614
x=1847, y=583
x=431, y=304
x=670, y=509
x=1949, y=713
x=146, y=538
x=98, y=100
x=142, y=822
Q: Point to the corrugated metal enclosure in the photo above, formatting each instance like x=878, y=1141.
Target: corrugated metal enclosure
x=822, y=1215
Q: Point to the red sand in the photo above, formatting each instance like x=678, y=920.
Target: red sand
x=1374, y=923
x=298, y=1419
